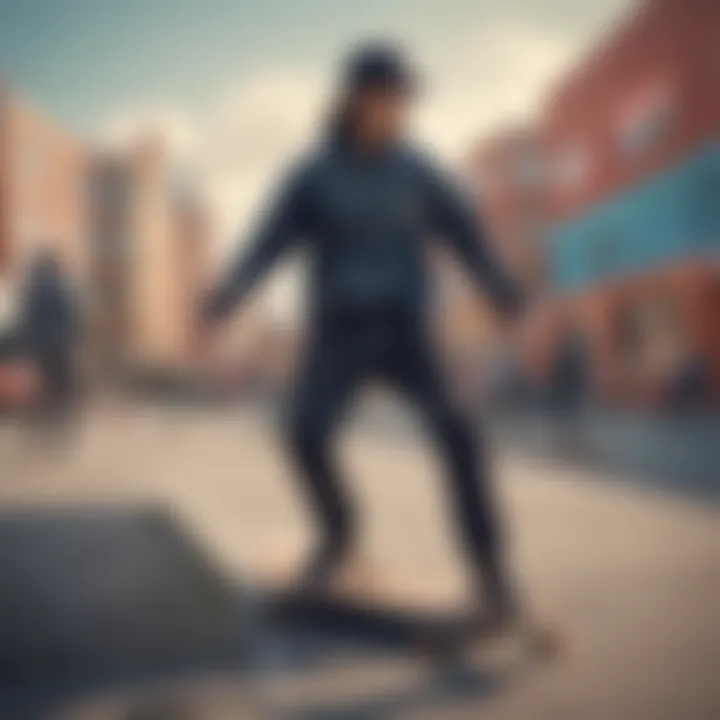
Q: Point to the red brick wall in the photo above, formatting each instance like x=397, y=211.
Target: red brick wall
x=692, y=288
x=665, y=48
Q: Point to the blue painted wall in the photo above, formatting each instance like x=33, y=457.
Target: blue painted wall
x=672, y=216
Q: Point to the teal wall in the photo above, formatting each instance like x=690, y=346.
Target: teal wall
x=670, y=217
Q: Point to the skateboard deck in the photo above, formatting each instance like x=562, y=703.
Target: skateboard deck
x=397, y=617
x=437, y=634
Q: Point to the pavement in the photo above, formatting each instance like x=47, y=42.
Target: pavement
x=675, y=453
x=149, y=528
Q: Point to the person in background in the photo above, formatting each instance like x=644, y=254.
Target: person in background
x=571, y=390
x=689, y=386
x=366, y=204
x=50, y=335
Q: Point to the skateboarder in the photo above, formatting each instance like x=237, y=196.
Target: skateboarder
x=366, y=205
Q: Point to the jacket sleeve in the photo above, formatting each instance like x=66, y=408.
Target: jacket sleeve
x=284, y=223
x=460, y=225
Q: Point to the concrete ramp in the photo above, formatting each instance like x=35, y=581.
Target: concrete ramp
x=94, y=593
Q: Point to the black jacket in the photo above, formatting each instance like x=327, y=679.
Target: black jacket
x=367, y=221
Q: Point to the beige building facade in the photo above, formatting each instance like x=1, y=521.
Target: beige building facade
x=43, y=199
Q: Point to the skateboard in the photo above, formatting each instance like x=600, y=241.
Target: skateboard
x=437, y=636
x=372, y=611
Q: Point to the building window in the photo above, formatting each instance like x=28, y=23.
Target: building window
x=651, y=337
x=528, y=171
x=644, y=121
x=572, y=167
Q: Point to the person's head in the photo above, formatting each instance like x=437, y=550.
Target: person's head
x=377, y=94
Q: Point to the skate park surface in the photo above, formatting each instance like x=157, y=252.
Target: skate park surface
x=126, y=564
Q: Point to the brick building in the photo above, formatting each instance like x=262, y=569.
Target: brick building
x=631, y=142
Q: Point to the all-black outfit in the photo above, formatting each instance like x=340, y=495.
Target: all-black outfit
x=367, y=220
x=50, y=333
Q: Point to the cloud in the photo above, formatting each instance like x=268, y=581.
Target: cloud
x=125, y=126
x=498, y=74
x=251, y=134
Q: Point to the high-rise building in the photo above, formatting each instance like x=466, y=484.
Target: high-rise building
x=193, y=230
x=43, y=207
x=42, y=191
x=150, y=245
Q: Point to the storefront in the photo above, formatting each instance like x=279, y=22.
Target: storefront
x=654, y=338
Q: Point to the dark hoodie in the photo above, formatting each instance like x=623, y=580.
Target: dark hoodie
x=367, y=221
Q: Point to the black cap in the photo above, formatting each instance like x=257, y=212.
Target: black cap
x=379, y=65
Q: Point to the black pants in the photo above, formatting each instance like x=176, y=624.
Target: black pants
x=346, y=350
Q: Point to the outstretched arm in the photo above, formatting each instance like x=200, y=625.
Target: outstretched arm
x=455, y=219
x=283, y=225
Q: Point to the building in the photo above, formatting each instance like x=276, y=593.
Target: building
x=632, y=144
x=43, y=204
x=462, y=324
x=507, y=173
x=642, y=101
x=193, y=230
x=150, y=248
x=135, y=246
x=43, y=207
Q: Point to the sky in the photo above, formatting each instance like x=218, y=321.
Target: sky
x=237, y=86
